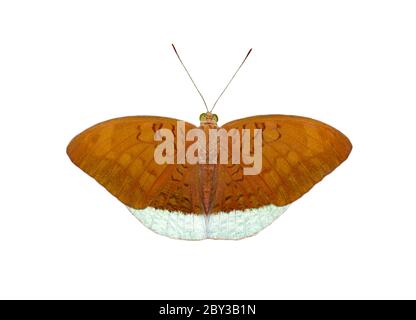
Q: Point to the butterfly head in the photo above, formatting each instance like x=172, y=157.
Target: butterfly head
x=208, y=118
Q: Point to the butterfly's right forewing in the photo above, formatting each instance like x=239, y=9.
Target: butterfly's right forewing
x=297, y=153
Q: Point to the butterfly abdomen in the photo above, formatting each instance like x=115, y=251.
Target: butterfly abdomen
x=208, y=178
x=207, y=172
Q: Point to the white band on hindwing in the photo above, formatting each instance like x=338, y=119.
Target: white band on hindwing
x=228, y=226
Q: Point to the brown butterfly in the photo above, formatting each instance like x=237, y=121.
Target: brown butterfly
x=208, y=200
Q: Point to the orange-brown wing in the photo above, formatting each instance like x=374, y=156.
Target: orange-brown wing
x=119, y=154
x=297, y=153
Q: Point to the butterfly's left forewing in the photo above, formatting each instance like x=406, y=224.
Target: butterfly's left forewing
x=119, y=154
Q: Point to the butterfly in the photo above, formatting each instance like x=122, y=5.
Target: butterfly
x=195, y=201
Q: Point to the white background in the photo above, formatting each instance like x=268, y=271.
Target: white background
x=66, y=65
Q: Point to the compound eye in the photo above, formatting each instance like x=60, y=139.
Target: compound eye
x=215, y=117
x=202, y=117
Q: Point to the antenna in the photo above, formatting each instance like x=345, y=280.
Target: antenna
x=235, y=73
x=177, y=54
